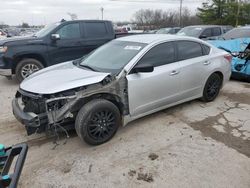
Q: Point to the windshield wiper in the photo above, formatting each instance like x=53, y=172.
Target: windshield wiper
x=88, y=67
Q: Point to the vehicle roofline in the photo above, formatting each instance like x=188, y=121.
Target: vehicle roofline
x=159, y=38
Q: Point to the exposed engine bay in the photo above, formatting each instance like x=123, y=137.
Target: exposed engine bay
x=57, y=112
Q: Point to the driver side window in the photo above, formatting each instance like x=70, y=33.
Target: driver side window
x=70, y=31
x=159, y=55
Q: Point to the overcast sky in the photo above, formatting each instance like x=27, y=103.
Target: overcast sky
x=46, y=11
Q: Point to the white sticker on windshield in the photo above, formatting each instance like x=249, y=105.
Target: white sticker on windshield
x=132, y=48
x=198, y=28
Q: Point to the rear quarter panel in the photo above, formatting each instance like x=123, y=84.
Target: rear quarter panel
x=219, y=64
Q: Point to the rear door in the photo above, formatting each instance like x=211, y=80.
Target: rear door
x=193, y=61
x=150, y=91
x=70, y=45
x=96, y=34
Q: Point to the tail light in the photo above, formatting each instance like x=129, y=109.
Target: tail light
x=228, y=57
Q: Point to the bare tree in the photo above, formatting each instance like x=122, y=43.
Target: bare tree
x=154, y=19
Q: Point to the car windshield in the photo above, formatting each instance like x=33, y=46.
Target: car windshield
x=113, y=56
x=46, y=30
x=163, y=31
x=190, y=31
x=237, y=33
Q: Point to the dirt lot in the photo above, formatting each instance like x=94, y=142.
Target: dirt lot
x=191, y=145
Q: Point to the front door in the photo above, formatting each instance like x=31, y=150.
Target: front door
x=70, y=45
x=150, y=91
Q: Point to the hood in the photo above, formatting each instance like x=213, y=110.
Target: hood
x=18, y=39
x=60, y=78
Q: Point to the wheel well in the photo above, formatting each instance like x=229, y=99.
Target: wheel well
x=116, y=100
x=220, y=74
x=26, y=56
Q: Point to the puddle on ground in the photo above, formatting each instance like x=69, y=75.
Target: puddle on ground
x=228, y=138
x=238, y=97
x=246, y=85
x=209, y=126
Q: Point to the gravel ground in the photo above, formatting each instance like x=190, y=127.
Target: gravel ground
x=195, y=144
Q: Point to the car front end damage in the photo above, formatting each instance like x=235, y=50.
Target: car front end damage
x=30, y=110
x=46, y=112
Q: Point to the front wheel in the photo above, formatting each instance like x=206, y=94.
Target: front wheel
x=26, y=67
x=212, y=88
x=97, y=121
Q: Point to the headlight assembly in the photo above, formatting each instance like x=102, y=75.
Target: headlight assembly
x=3, y=49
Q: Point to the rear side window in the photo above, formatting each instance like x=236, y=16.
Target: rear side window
x=70, y=31
x=216, y=31
x=207, y=32
x=95, y=29
x=188, y=50
x=206, y=49
x=161, y=54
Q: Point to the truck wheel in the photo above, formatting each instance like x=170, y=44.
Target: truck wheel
x=97, y=121
x=26, y=67
x=212, y=88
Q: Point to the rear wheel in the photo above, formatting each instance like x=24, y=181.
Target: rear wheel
x=97, y=121
x=212, y=88
x=26, y=67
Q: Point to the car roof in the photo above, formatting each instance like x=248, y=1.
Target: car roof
x=204, y=26
x=72, y=21
x=153, y=38
x=243, y=27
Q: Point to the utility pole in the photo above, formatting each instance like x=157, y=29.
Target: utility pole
x=238, y=13
x=180, y=20
x=102, y=10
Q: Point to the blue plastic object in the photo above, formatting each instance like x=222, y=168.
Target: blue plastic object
x=2, y=150
x=240, y=66
x=6, y=177
x=234, y=45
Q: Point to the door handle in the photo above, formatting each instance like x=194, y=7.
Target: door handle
x=207, y=62
x=174, y=72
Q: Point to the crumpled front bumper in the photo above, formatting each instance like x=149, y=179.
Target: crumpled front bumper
x=33, y=122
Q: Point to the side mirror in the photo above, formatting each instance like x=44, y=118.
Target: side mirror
x=55, y=37
x=143, y=68
x=203, y=36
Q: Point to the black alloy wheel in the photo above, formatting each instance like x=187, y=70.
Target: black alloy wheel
x=101, y=124
x=97, y=121
x=212, y=88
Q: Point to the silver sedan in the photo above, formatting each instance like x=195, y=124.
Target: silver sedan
x=121, y=81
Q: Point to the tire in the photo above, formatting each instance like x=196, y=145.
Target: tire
x=30, y=65
x=97, y=121
x=212, y=88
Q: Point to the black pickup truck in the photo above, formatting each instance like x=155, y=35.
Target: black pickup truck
x=59, y=42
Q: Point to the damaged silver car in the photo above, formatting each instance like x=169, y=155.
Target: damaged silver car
x=123, y=80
